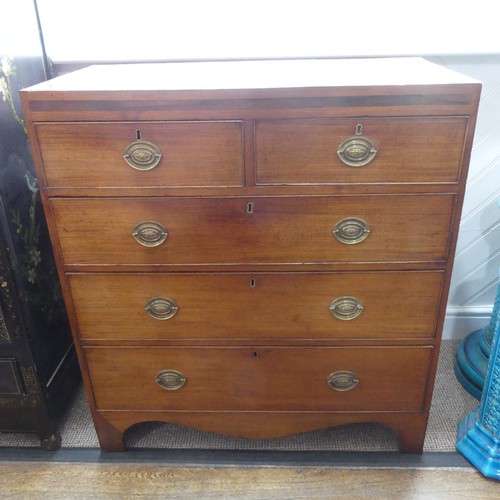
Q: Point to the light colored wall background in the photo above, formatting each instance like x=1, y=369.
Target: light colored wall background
x=93, y=30
x=475, y=274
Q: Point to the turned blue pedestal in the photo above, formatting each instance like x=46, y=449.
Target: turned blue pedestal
x=478, y=438
x=471, y=361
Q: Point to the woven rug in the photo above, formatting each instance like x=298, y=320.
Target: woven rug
x=450, y=404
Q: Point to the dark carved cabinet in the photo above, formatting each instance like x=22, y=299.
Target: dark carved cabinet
x=38, y=371
x=38, y=367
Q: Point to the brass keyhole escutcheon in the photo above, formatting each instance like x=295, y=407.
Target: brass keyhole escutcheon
x=357, y=151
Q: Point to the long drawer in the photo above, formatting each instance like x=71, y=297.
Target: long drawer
x=268, y=230
x=175, y=154
x=259, y=379
x=370, y=305
x=360, y=150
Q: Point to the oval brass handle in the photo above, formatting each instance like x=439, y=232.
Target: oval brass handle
x=142, y=155
x=171, y=380
x=356, y=151
x=346, y=308
x=161, y=308
x=351, y=230
x=342, y=380
x=150, y=233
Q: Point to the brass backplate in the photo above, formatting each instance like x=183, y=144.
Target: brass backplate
x=142, y=155
x=356, y=151
x=342, y=380
x=161, y=308
x=171, y=380
x=150, y=233
x=346, y=308
x=351, y=230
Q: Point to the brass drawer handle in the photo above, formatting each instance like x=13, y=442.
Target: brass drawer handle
x=161, y=308
x=357, y=151
x=342, y=380
x=171, y=380
x=351, y=230
x=142, y=155
x=150, y=233
x=346, y=308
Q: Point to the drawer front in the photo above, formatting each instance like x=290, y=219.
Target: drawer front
x=256, y=306
x=259, y=379
x=254, y=230
x=408, y=150
x=194, y=154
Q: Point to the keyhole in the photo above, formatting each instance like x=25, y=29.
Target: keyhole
x=252, y=282
x=250, y=208
x=138, y=134
x=359, y=129
x=255, y=354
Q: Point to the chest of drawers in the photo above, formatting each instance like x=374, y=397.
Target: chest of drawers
x=255, y=248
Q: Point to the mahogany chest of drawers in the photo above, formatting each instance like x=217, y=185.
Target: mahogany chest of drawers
x=255, y=248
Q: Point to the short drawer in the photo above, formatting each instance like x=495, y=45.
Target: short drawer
x=372, y=150
x=260, y=378
x=368, y=305
x=176, y=154
x=270, y=230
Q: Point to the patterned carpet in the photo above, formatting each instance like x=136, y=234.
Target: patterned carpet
x=450, y=404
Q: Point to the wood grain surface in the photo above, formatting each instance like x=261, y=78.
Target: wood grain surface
x=193, y=153
x=259, y=379
x=251, y=182
x=245, y=305
x=408, y=150
x=60, y=481
x=279, y=230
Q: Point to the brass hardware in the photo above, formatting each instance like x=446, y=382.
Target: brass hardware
x=142, y=155
x=346, y=308
x=161, y=308
x=342, y=380
x=351, y=230
x=150, y=233
x=357, y=151
x=253, y=282
x=171, y=380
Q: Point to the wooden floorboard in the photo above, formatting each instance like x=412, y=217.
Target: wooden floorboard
x=237, y=458
x=41, y=480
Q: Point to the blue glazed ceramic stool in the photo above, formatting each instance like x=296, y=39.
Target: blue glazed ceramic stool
x=478, y=438
x=471, y=361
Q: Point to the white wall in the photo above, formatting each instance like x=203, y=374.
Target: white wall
x=475, y=274
x=93, y=30
x=96, y=30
